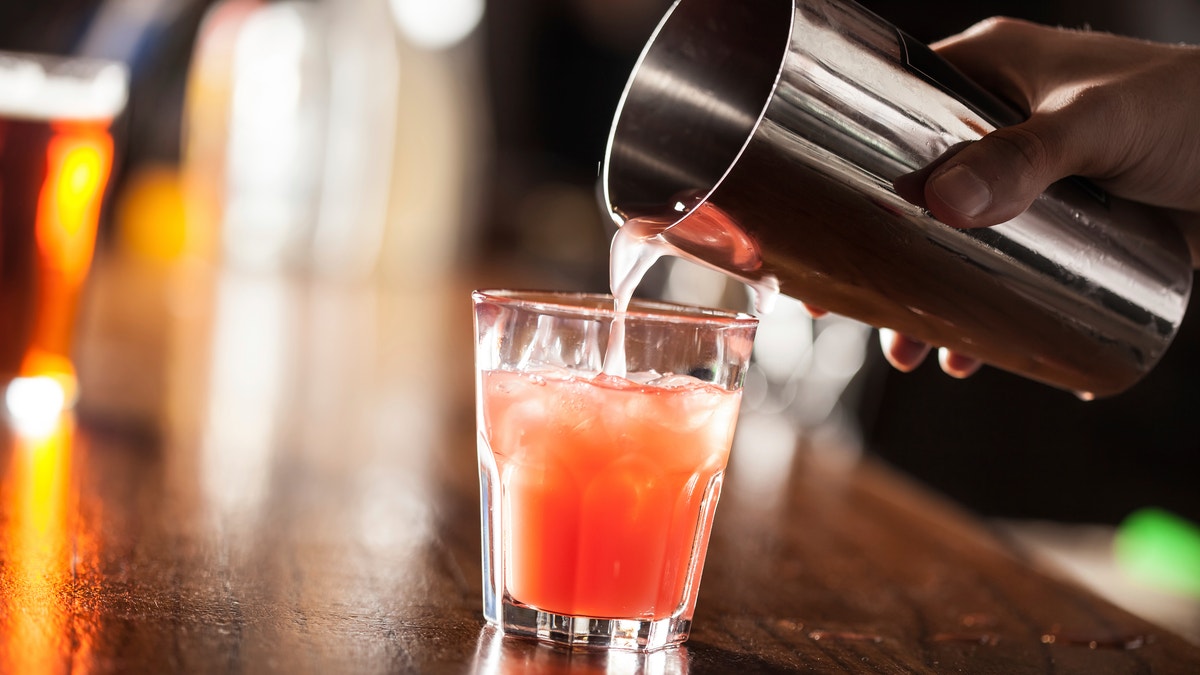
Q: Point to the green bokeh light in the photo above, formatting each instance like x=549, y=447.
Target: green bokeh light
x=1161, y=550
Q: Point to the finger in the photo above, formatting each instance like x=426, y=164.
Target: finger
x=956, y=364
x=911, y=186
x=814, y=311
x=996, y=178
x=1035, y=57
x=1018, y=76
x=903, y=352
x=1077, y=124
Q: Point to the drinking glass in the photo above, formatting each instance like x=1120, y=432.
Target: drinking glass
x=598, y=485
x=56, y=154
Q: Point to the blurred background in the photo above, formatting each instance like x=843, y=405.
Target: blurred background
x=405, y=142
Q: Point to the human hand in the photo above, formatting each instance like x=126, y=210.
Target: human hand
x=1116, y=110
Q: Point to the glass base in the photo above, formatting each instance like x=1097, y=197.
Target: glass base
x=582, y=631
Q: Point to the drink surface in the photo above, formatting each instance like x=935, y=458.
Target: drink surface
x=608, y=488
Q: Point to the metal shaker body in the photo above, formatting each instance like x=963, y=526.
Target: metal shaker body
x=790, y=120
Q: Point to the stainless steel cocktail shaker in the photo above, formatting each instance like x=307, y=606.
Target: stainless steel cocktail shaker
x=785, y=123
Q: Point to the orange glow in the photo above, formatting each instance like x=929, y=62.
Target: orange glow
x=151, y=215
x=78, y=162
x=39, y=553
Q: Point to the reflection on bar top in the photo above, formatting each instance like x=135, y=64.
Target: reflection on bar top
x=38, y=86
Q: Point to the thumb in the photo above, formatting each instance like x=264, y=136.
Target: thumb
x=997, y=177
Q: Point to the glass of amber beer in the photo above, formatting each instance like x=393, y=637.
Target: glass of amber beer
x=56, y=154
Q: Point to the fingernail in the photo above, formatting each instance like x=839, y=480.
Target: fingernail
x=904, y=353
x=960, y=189
x=958, y=365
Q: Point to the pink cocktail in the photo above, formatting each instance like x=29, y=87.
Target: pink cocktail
x=598, y=490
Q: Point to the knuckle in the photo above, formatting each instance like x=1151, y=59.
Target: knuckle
x=1096, y=99
x=1001, y=28
x=1027, y=146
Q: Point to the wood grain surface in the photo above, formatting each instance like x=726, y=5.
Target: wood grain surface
x=297, y=493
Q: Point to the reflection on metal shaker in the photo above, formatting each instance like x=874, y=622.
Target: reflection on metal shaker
x=793, y=119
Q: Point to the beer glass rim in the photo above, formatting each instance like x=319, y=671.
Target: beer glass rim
x=601, y=305
x=47, y=87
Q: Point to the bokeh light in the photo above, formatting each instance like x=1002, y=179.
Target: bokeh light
x=437, y=25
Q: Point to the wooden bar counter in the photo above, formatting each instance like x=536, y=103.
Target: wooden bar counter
x=272, y=475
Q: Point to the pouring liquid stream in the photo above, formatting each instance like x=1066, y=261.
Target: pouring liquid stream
x=640, y=241
x=636, y=246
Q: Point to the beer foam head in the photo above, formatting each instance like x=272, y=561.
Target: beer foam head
x=44, y=87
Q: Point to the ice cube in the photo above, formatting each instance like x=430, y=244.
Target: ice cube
x=643, y=377
x=509, y=426
x=675, y=381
